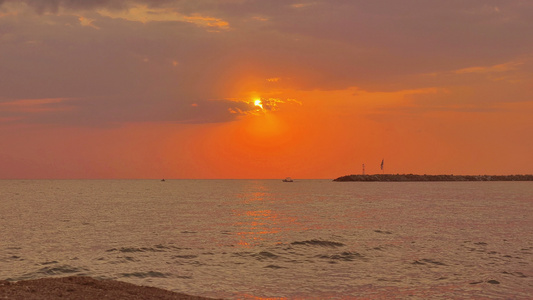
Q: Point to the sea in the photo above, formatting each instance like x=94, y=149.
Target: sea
x=268, y=239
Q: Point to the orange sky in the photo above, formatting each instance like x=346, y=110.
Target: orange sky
x=169, y=89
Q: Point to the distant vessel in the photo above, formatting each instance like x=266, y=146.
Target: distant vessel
x=163, y=179
x=288, y=179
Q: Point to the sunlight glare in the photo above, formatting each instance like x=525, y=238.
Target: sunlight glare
x=257, y=102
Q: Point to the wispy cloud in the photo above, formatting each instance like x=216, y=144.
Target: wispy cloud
x=208, y=22
x=27, y=109
x=145, y=14
x=258, y=106
x=34, y=105
x=87, y=22
x=302, y=5
x=490, y=69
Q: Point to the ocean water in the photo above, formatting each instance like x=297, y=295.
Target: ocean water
x=256, y=239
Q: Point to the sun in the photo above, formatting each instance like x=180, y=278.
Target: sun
x=258, y=103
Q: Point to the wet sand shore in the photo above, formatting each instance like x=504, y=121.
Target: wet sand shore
x=79, y=287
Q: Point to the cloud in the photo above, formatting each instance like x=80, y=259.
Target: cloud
x=27, y=109
x=144, y=14
x=491, y=69
x=110, y=112
x=87, y=22
x=260, y=105
x=31, y=105
x=209, y=22
x=128, y=70
x=302, y=5
x=53, y=6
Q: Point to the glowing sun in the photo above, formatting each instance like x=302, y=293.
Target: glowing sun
x=258, y=103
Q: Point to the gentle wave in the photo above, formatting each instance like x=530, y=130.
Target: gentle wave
x=262, y=239
x=344, y=256
x=320, y=243
x=52, y=271
x=156, y=248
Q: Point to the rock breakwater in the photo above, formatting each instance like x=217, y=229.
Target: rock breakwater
x=414, y=177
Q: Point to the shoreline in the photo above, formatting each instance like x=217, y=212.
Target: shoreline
x=422, y=178
x=82, y=287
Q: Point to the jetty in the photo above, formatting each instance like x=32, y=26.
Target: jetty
x=415, y=177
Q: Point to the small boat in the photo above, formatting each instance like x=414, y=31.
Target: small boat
x=288, y=179
x=163, y=180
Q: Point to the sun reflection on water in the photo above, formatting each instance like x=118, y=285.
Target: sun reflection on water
x=258, y=218
x=255, y=225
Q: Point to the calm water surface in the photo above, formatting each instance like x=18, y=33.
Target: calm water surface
x=253, y=239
